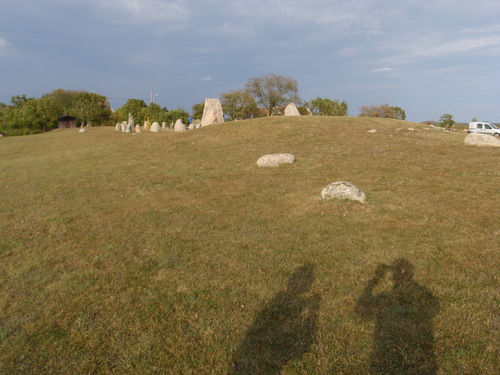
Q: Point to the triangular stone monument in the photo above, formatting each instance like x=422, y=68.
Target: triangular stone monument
x=212, y=114
x=291, y=110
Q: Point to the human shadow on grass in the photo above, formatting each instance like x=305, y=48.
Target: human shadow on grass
x=403, y=341
x=283, y=331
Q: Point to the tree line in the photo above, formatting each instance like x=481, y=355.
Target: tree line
x=35, y=115
x=152, y=112
x=261, y=96
x=267, y=95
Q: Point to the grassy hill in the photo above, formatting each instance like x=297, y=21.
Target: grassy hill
x=173, y=253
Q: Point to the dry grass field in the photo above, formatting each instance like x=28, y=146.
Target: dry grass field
x=172, y=253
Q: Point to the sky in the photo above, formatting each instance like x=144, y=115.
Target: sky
x=427, y=57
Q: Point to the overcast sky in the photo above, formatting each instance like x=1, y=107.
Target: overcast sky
x=427, y=57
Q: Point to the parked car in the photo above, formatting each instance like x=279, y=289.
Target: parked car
x=484, y=127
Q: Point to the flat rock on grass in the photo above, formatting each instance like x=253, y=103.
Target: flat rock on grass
x=484, y=140
x=343, y=190
x=275, y=160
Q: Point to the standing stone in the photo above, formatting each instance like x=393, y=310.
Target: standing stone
x=128, y=128
x=291, y=110
x=212, y=114
x=131, y=120
x=124, y=126
x=191, y=126
x=343, y=190
x=163, y=125
x=179, y=126
x=118, y=127
x=147, y=125
x=155, y=128
x=138, y=128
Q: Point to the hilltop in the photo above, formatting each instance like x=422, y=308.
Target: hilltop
x=174, y=253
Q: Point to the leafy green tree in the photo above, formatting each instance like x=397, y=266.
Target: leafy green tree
x=91, y=108
x=304, y=110
x=383, y=110
x=174, y=115
x=18, y=100
x=198, y=109
x=3, y=108
x=238, y=105
x=30, y=115
x=133, y=106
x=63, y=100
x=446, y=120
x=43, y=113
x=273, y=90
x=153, y=112
x=327, y=107
x=400, y=113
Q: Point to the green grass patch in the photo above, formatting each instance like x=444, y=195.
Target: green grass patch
x=172, y=253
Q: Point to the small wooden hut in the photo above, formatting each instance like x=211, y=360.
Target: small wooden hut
x=66, y=122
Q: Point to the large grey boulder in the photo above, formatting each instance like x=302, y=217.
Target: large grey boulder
x=155, y=128
x=179, y=126
x=212, y=113
x=343, y=190
x=275, y=160
x=483, y=140
x=291, y=110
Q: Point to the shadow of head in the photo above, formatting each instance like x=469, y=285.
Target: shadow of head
x=402, y=271
x=301, y=280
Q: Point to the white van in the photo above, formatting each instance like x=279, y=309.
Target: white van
x=484, y=127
